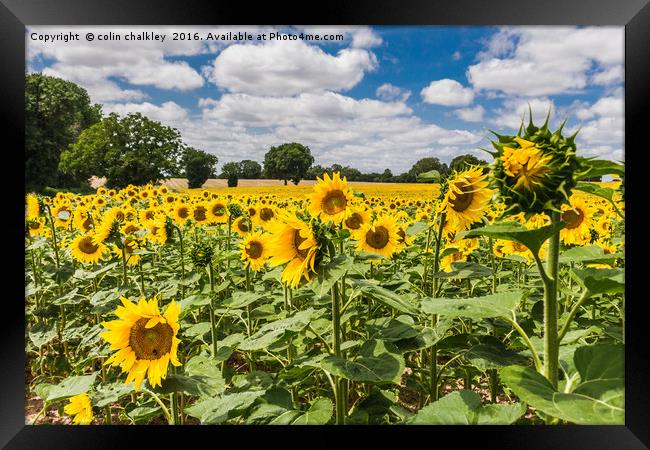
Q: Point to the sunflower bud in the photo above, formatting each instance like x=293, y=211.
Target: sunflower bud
x=201, y=254
x=534, y=171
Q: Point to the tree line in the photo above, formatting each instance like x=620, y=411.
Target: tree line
x=68, y=140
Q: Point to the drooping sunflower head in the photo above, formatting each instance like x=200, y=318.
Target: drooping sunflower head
x=535, y=170
x=157, y=232
x=465, y=198
x=201, y=253
x=79, y=406
x=254, y=250
x=292, y=241
x=109, y=227
x=83, y=220
x=331, y=199
x=380, y=236
x=145, y=340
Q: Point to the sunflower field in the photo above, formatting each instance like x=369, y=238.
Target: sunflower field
x=493, y=297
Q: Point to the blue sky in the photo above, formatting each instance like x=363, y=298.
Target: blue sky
x=383, y=97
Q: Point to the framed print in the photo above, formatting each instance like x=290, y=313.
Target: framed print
x=374, y=216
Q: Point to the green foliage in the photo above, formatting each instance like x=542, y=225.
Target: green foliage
x=462, y=162
x=426, y=165
x=464, y=408
x=597, y=399
x=198, y=166
x=56, y=112
x=250, y=170
x=288, y=162
x=126, y=150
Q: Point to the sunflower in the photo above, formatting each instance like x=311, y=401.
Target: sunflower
x=293, y=242
x=62, y=215
x=37, y=227
x=82, y=220
x=243, y=225
x=527, y=164
x=86, y=248
x=578, y=216
x=32, y=207
x=218, y=212
x=331, y=199
x=445, y=263
x=380, y=237
x=356, y=219
x=80, y=408
x=181, y=213
x=145, y=340
x=466, y=199
x=266, y=215
x=130, y=245
x=200, y=213
x=157, y=232
x=254, y=250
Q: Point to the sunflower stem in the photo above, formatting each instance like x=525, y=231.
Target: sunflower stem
x=551, y=347
x=213, y=322
x=164, y=408
x=563, y=331
x=180, y=238
x=124, y=276
x=54, y=243
x=341, y=406
x=433, y=360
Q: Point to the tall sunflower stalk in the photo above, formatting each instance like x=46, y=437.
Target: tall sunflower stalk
x=534, y=172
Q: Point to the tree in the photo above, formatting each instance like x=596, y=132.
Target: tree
x=288, y=162
x=387, y=176
x=461, y=162
x=56, y=112
x=126, y=150
x=230, y=171
x=199, y=166
x=315, y=171
x=250, y=170
x=426, y=165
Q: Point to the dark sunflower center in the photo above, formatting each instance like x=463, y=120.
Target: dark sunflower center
x=251, y=212
x=519, y=247
x=130, y=229
x=34, y=225
x=354, y=221
x=254, y=249
x=297, y=242
x=119, y=216
x=334, y=202
x=183, y=212
x=266, y=213
x=573, y=218
x=378, y=238
x=148, y=215
x=200, y=213
x=462, y=201
x=218, y=210
x=150, y=343
x=87, y=246
x=244, y=225
x=86, y=224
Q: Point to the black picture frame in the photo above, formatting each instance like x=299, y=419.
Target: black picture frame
x=634, y=15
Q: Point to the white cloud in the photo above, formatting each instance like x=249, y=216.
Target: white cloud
x=447, y=92
x=367, y=134
x=609, y=76
x=357, y=36
x=168, y=113
x=282, y=68
x=534, y=61
x=471, y=114
x=96, y=65
x=509, y=116
x=390, y=92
